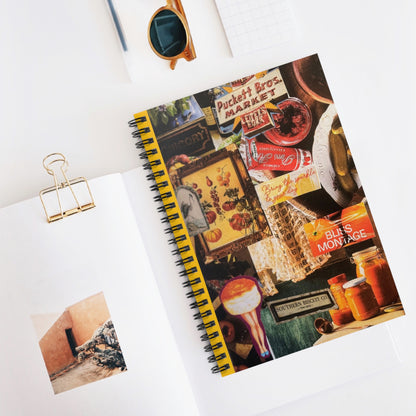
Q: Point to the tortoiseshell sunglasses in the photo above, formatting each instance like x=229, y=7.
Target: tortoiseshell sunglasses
x=169, y=34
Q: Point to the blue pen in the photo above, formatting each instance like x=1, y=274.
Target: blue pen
x=117, y=25
x=122, y=37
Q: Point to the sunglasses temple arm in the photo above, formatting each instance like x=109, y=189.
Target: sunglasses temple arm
x=173, y=63
x=179, y=6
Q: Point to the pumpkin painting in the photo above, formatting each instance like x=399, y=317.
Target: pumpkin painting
x=228, y=205
x=212, y=236
x=239, y=222
x=211, y=216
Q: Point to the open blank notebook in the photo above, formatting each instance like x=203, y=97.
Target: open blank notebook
x=57, y=281
x=251, y=26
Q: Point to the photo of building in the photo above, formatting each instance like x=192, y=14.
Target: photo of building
x=80, y=344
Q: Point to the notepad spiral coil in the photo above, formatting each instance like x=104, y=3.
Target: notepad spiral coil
x=187, y=261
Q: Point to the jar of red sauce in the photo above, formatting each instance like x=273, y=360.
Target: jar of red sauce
x=361, y=299
x=371, y=264
x=343, y=314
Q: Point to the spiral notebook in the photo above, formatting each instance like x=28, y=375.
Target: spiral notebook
x=272, y=226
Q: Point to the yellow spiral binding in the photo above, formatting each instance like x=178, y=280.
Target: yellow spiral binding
x=166, y=194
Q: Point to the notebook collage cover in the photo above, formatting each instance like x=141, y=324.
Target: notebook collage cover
x=276, y=212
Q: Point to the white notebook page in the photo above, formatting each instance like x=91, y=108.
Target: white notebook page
x=45, y=268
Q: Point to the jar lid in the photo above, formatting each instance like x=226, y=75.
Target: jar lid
x=340, y=278
x=354, y=282
x=367, y=251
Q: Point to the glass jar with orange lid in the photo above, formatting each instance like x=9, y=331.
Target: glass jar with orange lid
x=371, y=264
x=343, y=314
x=361, y=299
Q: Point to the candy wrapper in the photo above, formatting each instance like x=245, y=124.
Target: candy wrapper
x=263, y=156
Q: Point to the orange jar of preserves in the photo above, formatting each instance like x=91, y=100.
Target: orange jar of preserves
x=371, y=264
x=343, y=314
x=335, y=285
x=361, y=299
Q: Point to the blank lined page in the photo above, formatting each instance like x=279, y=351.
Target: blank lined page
x=254, y=25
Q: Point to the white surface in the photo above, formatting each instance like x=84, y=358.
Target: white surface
x=66, y=262
x=64, y=88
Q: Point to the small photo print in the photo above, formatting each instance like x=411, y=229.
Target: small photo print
x=79, y=345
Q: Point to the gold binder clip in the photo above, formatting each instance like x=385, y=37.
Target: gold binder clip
x=65, y=192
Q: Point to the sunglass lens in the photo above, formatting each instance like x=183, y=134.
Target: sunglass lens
x=167, y=34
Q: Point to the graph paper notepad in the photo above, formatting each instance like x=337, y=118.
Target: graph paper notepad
x=252, y=26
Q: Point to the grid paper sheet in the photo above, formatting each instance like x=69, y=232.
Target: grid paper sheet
x=254, y=25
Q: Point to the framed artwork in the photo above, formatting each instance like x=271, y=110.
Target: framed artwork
x=229, y=200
